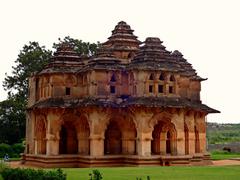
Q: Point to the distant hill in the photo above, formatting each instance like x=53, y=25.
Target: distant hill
x=223, y=133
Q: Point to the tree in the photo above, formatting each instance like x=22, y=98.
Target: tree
x=12, y=120
x=82, y=48
x=32, y=58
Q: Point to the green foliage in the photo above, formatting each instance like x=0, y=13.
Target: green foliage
x=95, y=175
x=12, y=120
x=12, y=150
x=82, y=48
x=2, y=167
x=221, y=155
x=223, y=133
x=5, y=149
x=32, y=58
x=148, y=178
x=32, y=174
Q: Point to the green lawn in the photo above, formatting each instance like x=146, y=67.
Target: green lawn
x=158, y=173
x=218, y=155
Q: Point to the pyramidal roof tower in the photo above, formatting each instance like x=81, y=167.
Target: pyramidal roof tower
x=123, y=43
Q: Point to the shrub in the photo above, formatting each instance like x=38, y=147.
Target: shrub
x=32, y=174
x=2, y=166
x=95, y=175
x=17, y=149
x=13, y=150
x=5, y=149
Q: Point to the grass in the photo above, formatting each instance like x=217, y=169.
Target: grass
x=220, y=155
x=158, y=173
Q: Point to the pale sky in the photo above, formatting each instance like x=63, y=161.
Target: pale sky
x=207, y=32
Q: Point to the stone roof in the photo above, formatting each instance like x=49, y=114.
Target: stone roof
x=154, y=56
x=65, y=59
x=164, y=102
x=122, y=38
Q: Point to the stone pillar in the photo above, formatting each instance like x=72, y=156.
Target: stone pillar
x=144, y=144
x=30, y=133
x=189, y=120
x=191, y=143
x=178, y=121
x=52, y=137
x=128, y=146
x=162, y=143
x=96, y=145
x=202, y=139
x=180, y=143
x=52, y=146
x=83, y=145
x=35, y=146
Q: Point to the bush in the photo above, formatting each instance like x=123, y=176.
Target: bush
x=96, y=175
x=17, y=149
x=2, y=167
x=32, y=174
x=5, y=149
x=12, y=151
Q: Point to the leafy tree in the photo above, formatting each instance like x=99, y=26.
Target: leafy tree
x=32, y=58
x=12, y=120
x=82, y=48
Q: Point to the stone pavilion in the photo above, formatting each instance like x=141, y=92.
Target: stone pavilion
x=133, y=103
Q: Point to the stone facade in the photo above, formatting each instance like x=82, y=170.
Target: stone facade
x=132, y=103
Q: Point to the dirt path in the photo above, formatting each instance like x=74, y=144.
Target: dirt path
x=228, y=162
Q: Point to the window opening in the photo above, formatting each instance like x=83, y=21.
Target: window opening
x=68, y=91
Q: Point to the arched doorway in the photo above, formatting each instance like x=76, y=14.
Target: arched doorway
x=68, y=139
x=164, y=138
x=197, y=142
x=113, y=139
x=155, y=143
x=168, y=143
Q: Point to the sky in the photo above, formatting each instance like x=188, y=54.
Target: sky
x=206, y=32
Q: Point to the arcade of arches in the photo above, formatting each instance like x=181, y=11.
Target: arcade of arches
x=98, y=133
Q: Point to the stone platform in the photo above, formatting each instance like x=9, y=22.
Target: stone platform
x=114, y=160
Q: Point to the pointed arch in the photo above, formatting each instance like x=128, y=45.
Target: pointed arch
x=74, y=134
x=172, y=78
x=113, y=136
x=151, y=77
x=120, y=136
x=113, y=78
x=164, y=138
x=162, y=77
x=68, y=139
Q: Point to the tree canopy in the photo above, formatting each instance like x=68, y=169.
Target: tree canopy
x=32, y=58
